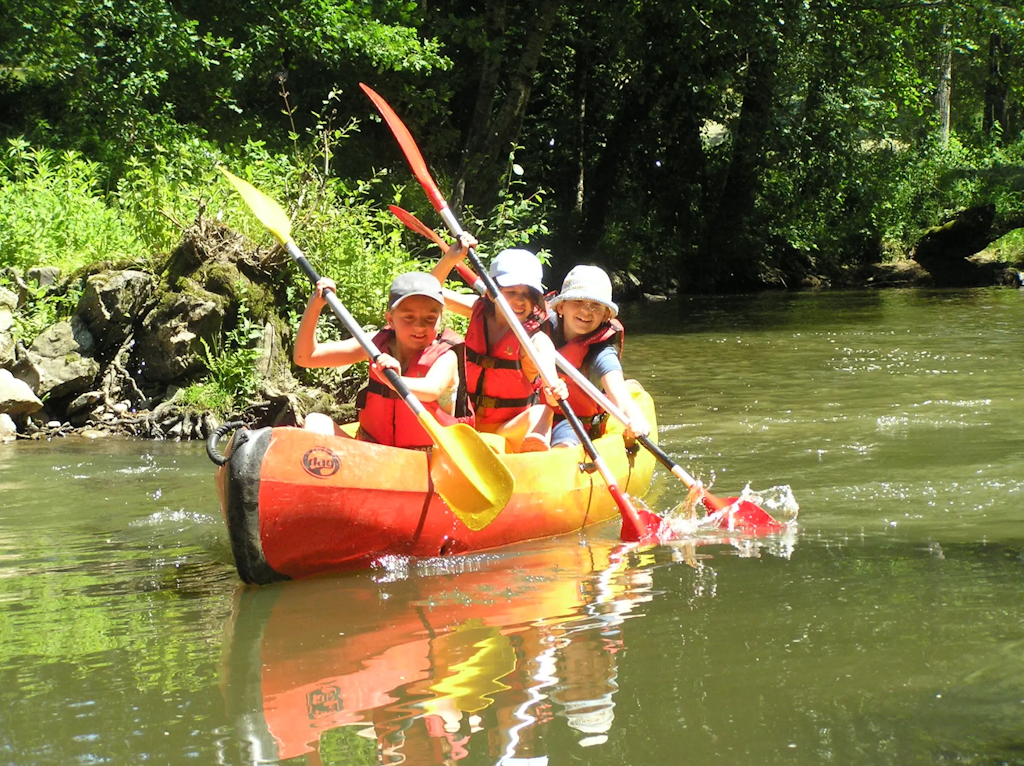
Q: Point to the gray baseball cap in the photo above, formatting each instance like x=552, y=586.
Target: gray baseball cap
x=414, y=283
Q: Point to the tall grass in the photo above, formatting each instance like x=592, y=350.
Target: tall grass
x=53, y=212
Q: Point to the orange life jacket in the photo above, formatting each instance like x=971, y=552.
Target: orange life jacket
x=497, y=385
x=575, y=351
x=383, y=416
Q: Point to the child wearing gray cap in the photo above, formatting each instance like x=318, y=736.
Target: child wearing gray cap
x=413, y=345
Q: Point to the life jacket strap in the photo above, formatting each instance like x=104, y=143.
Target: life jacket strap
x=481, y=401
x=376, y=387
x=492, y=363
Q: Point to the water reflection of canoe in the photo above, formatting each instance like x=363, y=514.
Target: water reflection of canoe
x=298, y=503
x=432, y=666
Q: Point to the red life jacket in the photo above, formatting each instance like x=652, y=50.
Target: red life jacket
x=575, y=351
x=497, y=385
x=385, y=419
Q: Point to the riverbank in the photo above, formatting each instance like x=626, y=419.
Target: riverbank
x=142, y=353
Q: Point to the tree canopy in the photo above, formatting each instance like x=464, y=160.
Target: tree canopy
x=716, y=144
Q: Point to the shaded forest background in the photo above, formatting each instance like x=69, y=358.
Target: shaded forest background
x=705, y=146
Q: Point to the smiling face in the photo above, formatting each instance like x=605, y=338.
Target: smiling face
x=582, y=317
x=416, y=321
x=521, y=300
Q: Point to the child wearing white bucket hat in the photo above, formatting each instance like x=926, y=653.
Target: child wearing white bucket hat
x=500, y=374
x=589, y=336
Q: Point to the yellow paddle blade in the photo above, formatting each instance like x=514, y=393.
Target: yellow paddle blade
x=467, y=474
x=263, y=207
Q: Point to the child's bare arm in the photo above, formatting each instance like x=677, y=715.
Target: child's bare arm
x=308, y=351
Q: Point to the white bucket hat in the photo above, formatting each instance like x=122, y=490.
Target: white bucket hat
x=517, y=267
x=587, y=283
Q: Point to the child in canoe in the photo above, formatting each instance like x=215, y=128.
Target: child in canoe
x=589, y=336
x=413, y=345
x=500, y=376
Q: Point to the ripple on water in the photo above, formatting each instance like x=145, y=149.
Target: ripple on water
x=180, y=518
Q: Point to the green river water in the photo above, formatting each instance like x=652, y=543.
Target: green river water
x=887, y=627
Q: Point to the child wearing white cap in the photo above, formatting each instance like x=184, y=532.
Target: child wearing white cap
x=412, y=344
x=500, y=376
x=589, y=336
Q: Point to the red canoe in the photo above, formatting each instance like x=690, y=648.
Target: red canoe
x=299, y=503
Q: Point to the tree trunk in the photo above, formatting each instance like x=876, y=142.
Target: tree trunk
x=481, y=170
x=683, y=195
x=726, y=249
x=487, y=88
x=604, y=174
x=944, y=92
x=579, y=135
x=995, y=89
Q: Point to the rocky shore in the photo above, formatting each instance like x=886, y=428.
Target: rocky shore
x=136, y=338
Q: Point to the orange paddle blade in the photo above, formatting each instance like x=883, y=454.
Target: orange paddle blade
x=417, y=225
x=409, y=148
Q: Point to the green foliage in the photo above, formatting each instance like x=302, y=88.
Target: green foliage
x=339, y=226
x=206, y=396
x=53, y=212
x=1009, y=248
x=518, y=219
x=615, y=132
x=162, y=187
x=42, y=308
x=934, y=183
x=231, y=377
x=107, y=78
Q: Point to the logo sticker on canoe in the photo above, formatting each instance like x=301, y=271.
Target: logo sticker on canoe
x=321, y=462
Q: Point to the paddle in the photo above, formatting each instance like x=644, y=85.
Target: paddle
x=418, y=226
x=745, y=514
x=465, y=472
x=634, y=526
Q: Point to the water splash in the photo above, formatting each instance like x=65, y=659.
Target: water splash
x=690, y=520
x=395, y=568
x=181, y=518
x=779, y=501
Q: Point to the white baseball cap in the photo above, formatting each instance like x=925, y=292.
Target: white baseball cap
x=517, y=267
